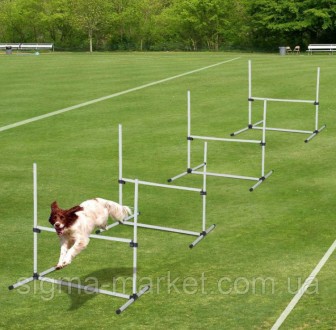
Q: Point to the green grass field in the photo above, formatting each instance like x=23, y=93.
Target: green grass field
x=266, y=243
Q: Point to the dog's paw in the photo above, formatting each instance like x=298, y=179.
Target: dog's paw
x=67, y=261
x=62, y=265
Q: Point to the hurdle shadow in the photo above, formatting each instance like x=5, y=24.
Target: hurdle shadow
x=112, y=279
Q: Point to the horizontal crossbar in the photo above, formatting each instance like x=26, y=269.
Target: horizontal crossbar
x=146, y=183
x=283, y=130
x=282, y=100
x=210, y=138
x=232, y=176
x=173, y=230
x=85, y=288
x=107, y=238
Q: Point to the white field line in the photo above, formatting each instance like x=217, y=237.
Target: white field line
x=304, y=287
x=58, y=112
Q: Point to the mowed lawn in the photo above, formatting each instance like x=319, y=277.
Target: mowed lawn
x=266, y=243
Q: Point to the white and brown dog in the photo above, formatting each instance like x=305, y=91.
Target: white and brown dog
x=74, y=226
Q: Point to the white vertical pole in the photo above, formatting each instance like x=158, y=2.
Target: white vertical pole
x=263, y=142
x=135, y=233
x=120, y=164
x=35, y=215
x=204, y=186
x=249, y=93
x=317, y=99
x=189, y=132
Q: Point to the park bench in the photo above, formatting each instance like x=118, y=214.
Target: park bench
x=321, y=48
x=27, y=46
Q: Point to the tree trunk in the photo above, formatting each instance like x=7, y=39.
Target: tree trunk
x=90, y=40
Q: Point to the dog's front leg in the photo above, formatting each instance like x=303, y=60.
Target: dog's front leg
x=64, y=250
x=80, y=244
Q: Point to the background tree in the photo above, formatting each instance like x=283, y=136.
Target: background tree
x=90, y=16
x=319, y=17
x=57, y=21
x=22, y=19
x=290, y=21
x=168, y=24
x=122, y=24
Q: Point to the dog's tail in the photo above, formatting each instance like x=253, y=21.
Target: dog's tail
x=116, y=211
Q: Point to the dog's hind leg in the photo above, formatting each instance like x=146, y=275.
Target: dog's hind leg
x=119, y=212
x=102, y=221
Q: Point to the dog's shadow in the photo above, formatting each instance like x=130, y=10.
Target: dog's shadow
x=109, y=279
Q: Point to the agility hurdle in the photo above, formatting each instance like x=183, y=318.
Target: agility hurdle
x=251, y=99
x=193, y=170
x=133, y=243
x=122, y=180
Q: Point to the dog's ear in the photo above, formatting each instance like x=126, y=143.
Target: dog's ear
x=54, y=206
x=71, y=213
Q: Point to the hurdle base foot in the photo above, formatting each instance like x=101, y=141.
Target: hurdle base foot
x=240, y=131
x=202, y=235
x=261, y=180
x=188, y=171
x=18, y=284
x=132, y=299
x=248, y=127
x=315, y=133
x=35, y=277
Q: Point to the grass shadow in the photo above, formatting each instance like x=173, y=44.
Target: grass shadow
x=110, y=279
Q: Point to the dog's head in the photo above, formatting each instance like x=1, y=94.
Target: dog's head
x=62, y=219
